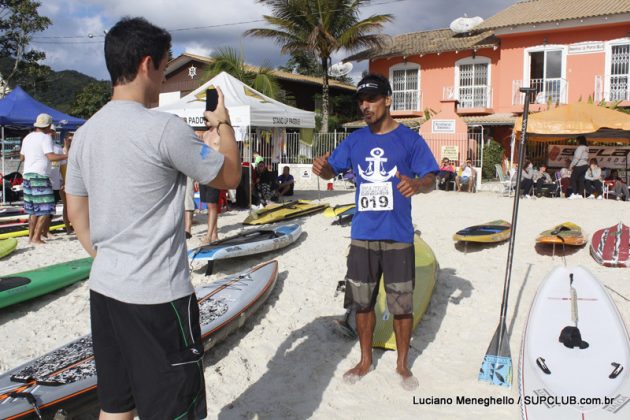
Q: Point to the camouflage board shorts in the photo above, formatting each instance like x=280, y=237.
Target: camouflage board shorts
x=368, y=261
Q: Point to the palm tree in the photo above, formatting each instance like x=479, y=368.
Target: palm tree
x=259, y=78
x=321, y=27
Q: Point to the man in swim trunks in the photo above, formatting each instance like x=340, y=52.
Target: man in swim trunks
x=39, y=199
x=392, y=163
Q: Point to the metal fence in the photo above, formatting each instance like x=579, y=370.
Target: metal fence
x=458, y=147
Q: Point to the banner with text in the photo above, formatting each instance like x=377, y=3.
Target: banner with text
x=615, y=157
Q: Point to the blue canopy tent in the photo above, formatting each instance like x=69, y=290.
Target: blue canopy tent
x=19, y=110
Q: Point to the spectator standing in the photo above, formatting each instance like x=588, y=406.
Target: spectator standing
x=579, y=166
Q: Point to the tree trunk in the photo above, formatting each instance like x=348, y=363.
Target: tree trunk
x=324, y=127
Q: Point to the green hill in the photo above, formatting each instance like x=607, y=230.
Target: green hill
x=56, y=89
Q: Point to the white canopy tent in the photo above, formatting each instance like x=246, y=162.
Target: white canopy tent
x=247, y=107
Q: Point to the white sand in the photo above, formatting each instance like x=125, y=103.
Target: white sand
x=287, y=363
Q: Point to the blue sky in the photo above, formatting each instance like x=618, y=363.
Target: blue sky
x=75, y=39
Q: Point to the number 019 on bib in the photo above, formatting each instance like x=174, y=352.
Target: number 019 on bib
x=376, y=196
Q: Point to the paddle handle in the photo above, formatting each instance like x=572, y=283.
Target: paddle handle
x=574, y=308
x=517, y=193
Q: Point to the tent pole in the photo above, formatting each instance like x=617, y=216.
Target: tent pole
x=249, y=160
x=3, y=174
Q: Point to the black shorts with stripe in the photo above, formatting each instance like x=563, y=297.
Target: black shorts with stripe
x=149, y=357
x=368, y=261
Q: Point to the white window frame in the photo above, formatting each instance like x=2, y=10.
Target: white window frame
x=608, y=46
x=543, y=48
x=474, y=60
x=407, y=66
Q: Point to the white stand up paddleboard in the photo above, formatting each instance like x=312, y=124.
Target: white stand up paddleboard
x=575, y=356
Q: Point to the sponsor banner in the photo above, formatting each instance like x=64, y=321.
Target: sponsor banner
x=608, y=157
x=449, y=151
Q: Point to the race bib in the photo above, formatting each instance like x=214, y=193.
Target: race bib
x=376, y=196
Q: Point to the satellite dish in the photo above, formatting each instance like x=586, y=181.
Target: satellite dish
x=339, y=69
x=465, y=24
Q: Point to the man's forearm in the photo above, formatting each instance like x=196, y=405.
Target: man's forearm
x=426, y=183
x=79, y=215
x=230, y=174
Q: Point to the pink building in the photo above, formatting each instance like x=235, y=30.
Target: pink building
x=468, y=83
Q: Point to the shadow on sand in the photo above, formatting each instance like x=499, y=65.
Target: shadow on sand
x=472, y=247
x=286, y=390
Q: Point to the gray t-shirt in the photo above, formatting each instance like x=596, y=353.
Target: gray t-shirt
x=132, y=163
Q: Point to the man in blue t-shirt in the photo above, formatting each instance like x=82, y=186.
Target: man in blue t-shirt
x=285, y=182
x=392, y=163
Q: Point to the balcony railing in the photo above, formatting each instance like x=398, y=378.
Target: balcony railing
x=408, y=100
x=553, y=90
x=618, y=89
x=469, y=96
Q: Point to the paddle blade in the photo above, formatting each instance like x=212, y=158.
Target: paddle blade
x=496, y=367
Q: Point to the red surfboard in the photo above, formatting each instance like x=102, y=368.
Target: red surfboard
x=610, y=246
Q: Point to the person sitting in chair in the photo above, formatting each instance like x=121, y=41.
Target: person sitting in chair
x=467, y=177
x=544, y=185
x=593, y=180
x=527, y=179
x=446, y=174
x=266, y=186
x=285, y=182
x=617, y=185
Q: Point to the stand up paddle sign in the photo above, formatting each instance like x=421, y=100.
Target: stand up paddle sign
x=496, y=367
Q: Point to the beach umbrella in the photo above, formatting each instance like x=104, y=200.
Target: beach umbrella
x=496, y=367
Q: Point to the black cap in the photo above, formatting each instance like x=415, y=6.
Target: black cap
x=374, y=84
x=571, y=337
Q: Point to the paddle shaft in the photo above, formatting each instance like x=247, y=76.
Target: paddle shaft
x=508, y=267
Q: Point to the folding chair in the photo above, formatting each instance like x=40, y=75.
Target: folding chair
x=506, y=182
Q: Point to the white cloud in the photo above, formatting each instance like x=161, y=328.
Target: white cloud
x=198, y=49
x=82, y=17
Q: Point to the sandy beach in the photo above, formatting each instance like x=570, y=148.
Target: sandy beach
x=287, y=361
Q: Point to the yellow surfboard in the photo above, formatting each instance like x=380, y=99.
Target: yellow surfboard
x=426, y=275
x=338, y=210
x=278, y=212
x=17, y=231
x=566, y=233
x=495, y=231
x=7, y=246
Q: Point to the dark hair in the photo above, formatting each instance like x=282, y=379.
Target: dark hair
x=592, y=160
x=581, y=140
x=128, y=42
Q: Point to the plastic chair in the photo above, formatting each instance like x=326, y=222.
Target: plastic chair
x=508, y=186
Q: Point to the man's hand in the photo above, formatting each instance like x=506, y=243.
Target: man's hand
x=321, y=167
x=412, y=186
x=219, y=115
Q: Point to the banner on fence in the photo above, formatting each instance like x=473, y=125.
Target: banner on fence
x=615, y=157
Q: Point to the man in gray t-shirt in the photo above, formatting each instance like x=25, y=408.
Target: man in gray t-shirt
x=125, y=187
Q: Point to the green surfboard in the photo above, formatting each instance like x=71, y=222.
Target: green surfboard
x=27, y=285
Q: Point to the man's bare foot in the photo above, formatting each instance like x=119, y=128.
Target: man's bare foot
x=356, y=373
x=409, y=382
x=38, y=242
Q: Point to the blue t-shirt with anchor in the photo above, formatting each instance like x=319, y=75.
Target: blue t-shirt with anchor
x=383, y=213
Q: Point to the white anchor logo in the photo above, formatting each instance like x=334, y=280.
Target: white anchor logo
x=376, y=171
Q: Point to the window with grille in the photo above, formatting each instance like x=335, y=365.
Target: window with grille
x=405, y=89
x=473, y=85
x=619, y=72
